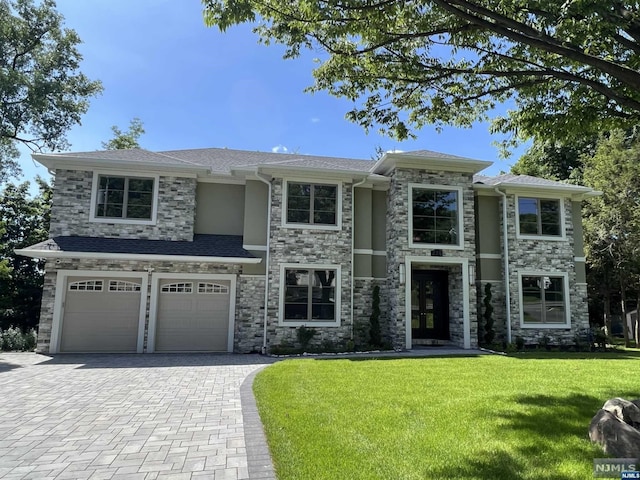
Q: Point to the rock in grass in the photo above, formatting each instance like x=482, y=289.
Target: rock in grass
x=611, y=430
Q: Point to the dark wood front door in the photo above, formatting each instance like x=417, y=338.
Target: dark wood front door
x=429, y=304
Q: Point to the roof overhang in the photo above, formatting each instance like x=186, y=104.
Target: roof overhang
x=58, y=254
x=60, y=161
x=576, y=192
x=298, y=171
x=391, y=161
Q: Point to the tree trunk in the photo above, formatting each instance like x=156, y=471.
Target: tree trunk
x=623, y=304
x=607, y=312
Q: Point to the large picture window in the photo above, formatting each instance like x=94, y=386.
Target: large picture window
x=543, y=299
x=539, y=216
x=121, y=197
x=310, y=295
x=313, y=204
x=435, y=214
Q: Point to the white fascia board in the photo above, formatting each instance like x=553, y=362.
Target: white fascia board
x=222, y=178
x=47, y=254
x=390, y=161
x=307, y=172
x=78, y=163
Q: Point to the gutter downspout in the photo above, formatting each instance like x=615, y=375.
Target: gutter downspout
x=505, y=261
x=353, y=255
x=266, y=269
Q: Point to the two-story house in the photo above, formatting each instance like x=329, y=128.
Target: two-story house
x=227, y=250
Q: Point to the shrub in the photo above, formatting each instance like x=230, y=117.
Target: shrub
x=305, y=335
x=520, y=343
x=489, y=333
x=14, y=339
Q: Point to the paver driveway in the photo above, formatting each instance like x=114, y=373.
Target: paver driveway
x=123, y=416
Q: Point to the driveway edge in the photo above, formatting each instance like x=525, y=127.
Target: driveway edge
x=259, y=463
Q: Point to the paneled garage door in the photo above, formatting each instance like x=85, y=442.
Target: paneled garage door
x=101, y=315
x=193, y=315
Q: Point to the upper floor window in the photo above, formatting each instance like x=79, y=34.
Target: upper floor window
x=312, y=204
x=119, y=198
x=436, y=216
x=539, y=216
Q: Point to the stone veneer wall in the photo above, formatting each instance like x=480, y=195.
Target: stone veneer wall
x=309, y=246
x=552, y=256
x=363, y=306
x=48, y=294
x=249, y=314
x=398, y=248
x=72, y=203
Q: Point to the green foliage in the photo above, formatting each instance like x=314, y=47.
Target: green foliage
x=14, y=339
x=569, y=70
x=375, y=337
x=374, y=419
x=305, y=334
x=24, y=221
x=520, y=343
x=42, y=92
x=127, y=139
x=489, y=332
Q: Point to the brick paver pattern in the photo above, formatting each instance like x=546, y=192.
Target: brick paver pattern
x=123, y=416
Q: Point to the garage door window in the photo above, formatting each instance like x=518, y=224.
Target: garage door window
x=86, y=286
x=123, y=286
x=212, y=288
x=184, y=287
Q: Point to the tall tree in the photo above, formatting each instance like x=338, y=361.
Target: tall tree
x=127, y=139
x=612, y=220
x=568, y=68
x=24, y=220
x=42, y=92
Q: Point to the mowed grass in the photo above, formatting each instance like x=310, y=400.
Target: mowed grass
x=484, y=417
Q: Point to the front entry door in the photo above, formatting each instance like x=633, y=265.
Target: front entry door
x=429, y=304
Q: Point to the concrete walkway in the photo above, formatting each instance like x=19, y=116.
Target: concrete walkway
x=129, y=417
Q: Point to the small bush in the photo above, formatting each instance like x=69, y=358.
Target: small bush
x=489, y=333
x=305, y=335
x=14, y=339
x=375, y=337
x=520, y=343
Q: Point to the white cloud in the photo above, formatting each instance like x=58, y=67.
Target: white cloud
x=395, y=150
x=315, y=120
x=280, y=149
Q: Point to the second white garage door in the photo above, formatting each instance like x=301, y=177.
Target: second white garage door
x=192, y=315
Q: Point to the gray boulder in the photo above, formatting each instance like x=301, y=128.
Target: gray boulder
x=609, y=428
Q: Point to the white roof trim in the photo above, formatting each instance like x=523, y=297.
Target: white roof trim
x=389, y=161
x=33, y=253
x=59, y=161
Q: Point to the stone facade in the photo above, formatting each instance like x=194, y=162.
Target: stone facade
x=249, y=328
x=363, y=306
x=70, y=210
x=398, y=248
x=548, y=256
x=309, y=246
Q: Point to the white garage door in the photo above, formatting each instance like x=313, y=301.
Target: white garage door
x=192, y=315
x=101, y=315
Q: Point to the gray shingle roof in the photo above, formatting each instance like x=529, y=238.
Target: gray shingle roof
x=228, y=246
x=433, y=155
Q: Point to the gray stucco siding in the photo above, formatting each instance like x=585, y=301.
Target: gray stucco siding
x=256, y=204
x=219, y=209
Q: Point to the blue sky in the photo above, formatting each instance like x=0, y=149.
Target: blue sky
x=195, y=87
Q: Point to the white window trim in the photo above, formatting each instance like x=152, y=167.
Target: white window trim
x=440, y=246
x=131, y=221
x=312, y=226
x=61, y=291
x=338, y=294
x=552, y=238
x=566, y=292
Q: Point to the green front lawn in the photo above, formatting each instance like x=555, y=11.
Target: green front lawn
x=486, y=417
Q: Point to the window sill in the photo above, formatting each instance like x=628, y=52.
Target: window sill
x=308, y=323
x=546, y=326
x=435, y=246
x=312, y=226
x=124, y=221
x=554, y=238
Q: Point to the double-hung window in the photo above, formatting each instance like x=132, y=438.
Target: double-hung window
x=312, y=204
x=124, y=198
x=311, y=295
x=436, y=216
x=544, y=299
x=539, y=216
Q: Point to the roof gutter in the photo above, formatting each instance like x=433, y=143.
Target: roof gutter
x=34, y=253
x=267, y=181
x=505, y=262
